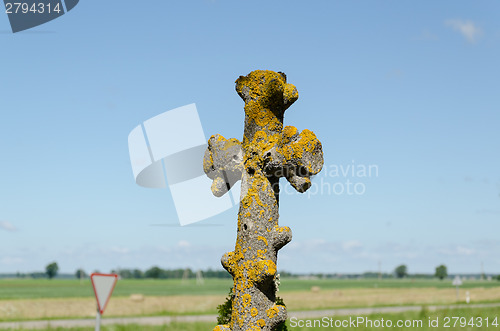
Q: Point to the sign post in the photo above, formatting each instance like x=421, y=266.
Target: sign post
x=98, y=320
x=103, y=285
x=457, y=282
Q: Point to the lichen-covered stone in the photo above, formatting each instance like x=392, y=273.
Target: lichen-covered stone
x=268, y=152
x=223, y=163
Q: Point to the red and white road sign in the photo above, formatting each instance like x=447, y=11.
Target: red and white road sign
x=103, y=285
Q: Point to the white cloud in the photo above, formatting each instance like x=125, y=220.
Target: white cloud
x=458, y=251
x=11, y=260
x=351, y=245
x=120, y=250
x=183, y=244
x=7, y=226
x=468, y=29
x=465, y=251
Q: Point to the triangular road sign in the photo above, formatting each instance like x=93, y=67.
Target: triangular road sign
x=103, y=285
x=457, y=281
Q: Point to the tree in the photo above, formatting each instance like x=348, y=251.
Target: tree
x=137, y=274
x=154, y=272
x=36, y=275
x=125, y=273
x=80, y=273
x=401, y=271
x=51, y=270
x=441, y=272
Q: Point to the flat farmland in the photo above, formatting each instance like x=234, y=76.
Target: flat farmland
x=467, y=319
x=64, y=288
x=26, y=299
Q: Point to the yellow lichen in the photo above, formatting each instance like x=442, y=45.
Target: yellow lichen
x=289, y=132
x=294, y=150
x=280, y=229
x=263, y=92
x=273, y=311
x=267, y=95
x=247, y=299
x=263, y=239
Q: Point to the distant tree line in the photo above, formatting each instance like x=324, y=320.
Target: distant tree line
x=156, y=272
x=34, y=275
x=51, y=271
x=441, y=272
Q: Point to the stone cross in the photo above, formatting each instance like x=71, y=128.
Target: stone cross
x=268, y=152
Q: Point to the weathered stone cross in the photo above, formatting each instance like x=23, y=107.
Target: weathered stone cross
x=267, y=153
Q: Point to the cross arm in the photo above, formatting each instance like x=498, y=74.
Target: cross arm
x=223, y=163
x=302, y=155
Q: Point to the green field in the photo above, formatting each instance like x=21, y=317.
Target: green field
x=424, y=316
x=42, y=299
x=63, y=288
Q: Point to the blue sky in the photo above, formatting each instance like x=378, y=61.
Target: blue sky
x=411, y=88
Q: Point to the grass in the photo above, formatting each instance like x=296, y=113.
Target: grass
x=57, y=308
x=170, y=327
x=132, y=327
x=293, y=284
x=424, y=316
x=378, y=297
x=28, y=299
x=419, y=320
x=64, y=288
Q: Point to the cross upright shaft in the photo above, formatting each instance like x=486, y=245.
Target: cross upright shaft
x=268, y=152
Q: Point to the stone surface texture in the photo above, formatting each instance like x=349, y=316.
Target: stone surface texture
x=268, y=152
